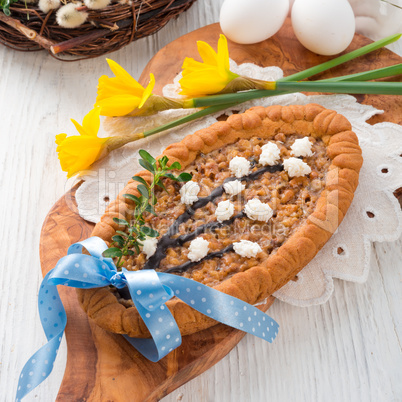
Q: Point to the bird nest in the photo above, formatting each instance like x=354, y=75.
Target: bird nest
x=28, y=28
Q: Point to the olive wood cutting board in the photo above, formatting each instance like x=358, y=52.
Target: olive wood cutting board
x=102, y=366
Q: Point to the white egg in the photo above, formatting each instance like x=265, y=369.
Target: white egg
x=325, y=27
x=252, y=21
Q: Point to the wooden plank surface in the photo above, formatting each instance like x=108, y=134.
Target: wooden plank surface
x=346, y=350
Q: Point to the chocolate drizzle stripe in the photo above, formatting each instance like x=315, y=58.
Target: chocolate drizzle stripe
x=167, y=241
x=190, y=264
x=203, y=228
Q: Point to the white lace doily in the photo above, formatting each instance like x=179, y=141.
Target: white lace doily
x=374, y=215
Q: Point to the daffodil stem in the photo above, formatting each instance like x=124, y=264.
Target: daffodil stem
x=353, y=84
x=342, y=59
x=384, y=72
x=358, y=87
x=281, y=85
x=216, y=103
x=120, y=140
x=157, y=103
x=349, y=87
x=245, y=84
x=342, y=84
x=191, y=117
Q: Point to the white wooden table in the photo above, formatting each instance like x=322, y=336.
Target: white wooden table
x=346, y=350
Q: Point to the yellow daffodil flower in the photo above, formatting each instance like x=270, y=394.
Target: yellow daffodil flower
x=212, y=75
x=78, y=152
x=122, y=94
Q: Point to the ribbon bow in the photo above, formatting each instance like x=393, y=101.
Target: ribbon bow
x=149, y=290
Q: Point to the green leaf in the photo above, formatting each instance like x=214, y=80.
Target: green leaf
x=122, y=222
x=137, y=249
x=146, y=156
x=130, y=252
x=132, y=198
x=118, y=239
x=140, y=180
x=161, y=185
x=124, y=234
x=175, y=166
x=146, y=165
x=183, y=177
x=147, y=231
x=150, y=209
x=171, y=176
x=163, y=161
x=143, y=190
x=140, y=219
x=112, y=252
x=133, y=229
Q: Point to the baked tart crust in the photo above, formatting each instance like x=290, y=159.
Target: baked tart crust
x=258, y=282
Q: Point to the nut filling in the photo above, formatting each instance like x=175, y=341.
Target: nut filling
x=302, y=201
x=291, y=199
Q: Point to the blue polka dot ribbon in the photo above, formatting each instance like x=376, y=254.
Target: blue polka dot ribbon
x=149, y=290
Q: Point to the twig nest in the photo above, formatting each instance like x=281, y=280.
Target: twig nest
x=96, y=4
x=68, y=17
x=47, y=5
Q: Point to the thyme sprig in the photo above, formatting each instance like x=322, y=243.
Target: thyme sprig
x=128, y=242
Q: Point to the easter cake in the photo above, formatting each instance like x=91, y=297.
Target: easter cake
x=268, y=189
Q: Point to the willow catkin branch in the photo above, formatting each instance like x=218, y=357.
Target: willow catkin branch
x=27, y=32
x=87, y=38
